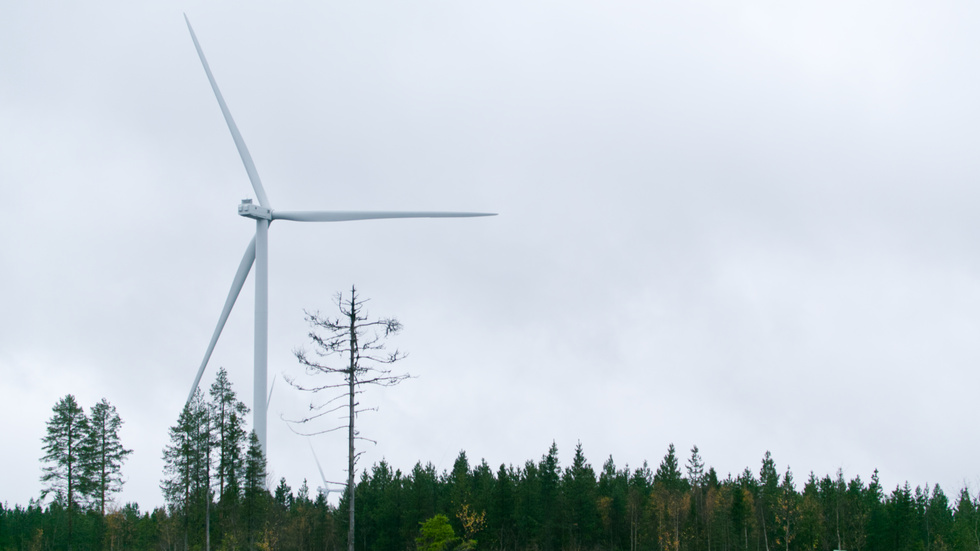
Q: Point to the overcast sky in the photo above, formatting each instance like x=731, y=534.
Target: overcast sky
x=748, y=226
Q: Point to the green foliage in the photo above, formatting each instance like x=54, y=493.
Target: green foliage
x=81, y=467
x=436, y=534
x=668, y=475
x=580, y=495
x=228, y=418
x=527, y=508
x=104, y=454
x=255, y=505
x=63, y=474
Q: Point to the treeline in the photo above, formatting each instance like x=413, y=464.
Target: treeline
x=215, y=485
x=541, y=506
x=297, y=522
x=215, y=488
x=544, y=507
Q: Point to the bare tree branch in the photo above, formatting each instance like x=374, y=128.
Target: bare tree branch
x=360, y=343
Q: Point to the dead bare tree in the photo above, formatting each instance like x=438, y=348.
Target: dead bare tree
x=359, y=343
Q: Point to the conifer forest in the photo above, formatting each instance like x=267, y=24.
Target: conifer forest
x=216, y=497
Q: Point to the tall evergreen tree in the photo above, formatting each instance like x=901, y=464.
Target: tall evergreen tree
x=786, y=512
x=695, y=480
x=422, y=494
x=256, y=497
x=459, y=485
x=767, y=499
x=743, y=492
x=613, y=488
x=638, y=496
x=966, y=524
x=64, y=474
x=902, y=517
x=186, y=484
x=549, y=484
x=580, y=499
x=668, y=475
x=482, y=485
x=669, y=493
x=104, y=453
x=227, y=414
x=529, y=514
x=228, y=417
x=502, y=510
x=876, y=528
x=939, y=520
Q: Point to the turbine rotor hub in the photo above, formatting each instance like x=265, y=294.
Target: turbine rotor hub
x=257, y=212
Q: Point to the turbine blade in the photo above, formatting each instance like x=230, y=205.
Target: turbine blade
x=272, y=386
x=236, y=287
x=253, y=175
x=342, y=216
x=319, y=468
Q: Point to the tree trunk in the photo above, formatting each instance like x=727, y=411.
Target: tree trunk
x=350, y=426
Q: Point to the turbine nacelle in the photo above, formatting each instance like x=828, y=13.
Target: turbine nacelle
x=251, y=210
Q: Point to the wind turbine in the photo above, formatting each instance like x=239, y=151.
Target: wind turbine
x=257, y=253
x=325, y=489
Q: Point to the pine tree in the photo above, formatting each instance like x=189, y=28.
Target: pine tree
x=186, y=484
x=256, y=496
x=63, y=452
x=228, y=416
x=104, y=453
x=230, y=440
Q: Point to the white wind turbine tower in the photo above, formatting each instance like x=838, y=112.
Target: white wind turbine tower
x=257, y=253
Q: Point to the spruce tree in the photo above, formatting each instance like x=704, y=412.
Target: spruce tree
x=767, y=499
x=668, y=487
x=696, y=481
x=965, y=522
x=668, y=475
x=502, y=508
x=549, y=483
x=580, y=497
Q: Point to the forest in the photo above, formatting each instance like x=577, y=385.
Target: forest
x=217, y=497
